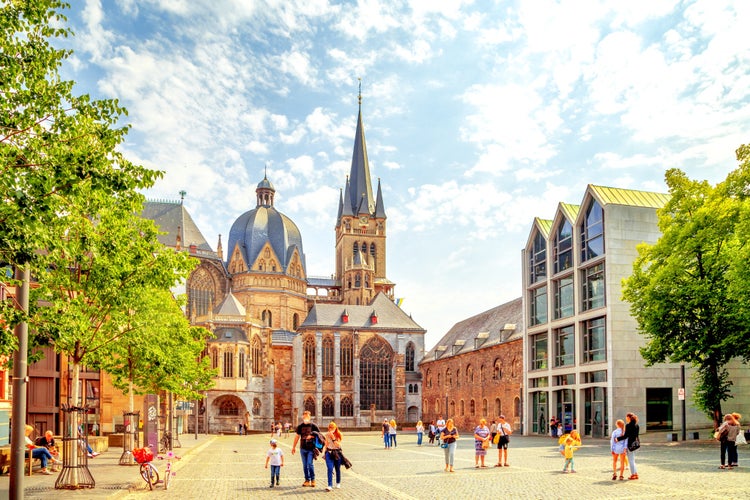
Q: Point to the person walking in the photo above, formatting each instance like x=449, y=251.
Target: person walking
x=505, y=430
x=433, y=432
x=728, y=431
x=570, y=447
x=276, y=457
x=392, y=433
x=440, y=425
x=449, y=435
x=631, y=435
x=305, y=433
x=333, y=455
x=385, y=433
x=420, y=432
x=618, y=449
x=481, y=443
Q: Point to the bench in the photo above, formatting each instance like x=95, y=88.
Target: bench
x=5, y=461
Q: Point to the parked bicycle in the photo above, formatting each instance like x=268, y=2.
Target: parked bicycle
x=149, y=472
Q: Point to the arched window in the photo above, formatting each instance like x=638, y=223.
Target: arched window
x=372, y=249
x=357, y=280
x=309, y=354
x=448, y=378
x=355, y=248
x=295, y=321
x=472, y=408
x=470, y=374
x=241, y=364
x=347, y=408
x=214, y=358
x=347, y=356
x=481, y=374
x=257, y=353
x=429, y=379
x=228, y=407
x=409, y=357
x=458, y=376
x=438, y=379
x=461, y=408
x=416, y=388
x=437, y=407
x=498, y=407
x=228, y=364
x=200, y=292
x=497, y=370
x=516, y=406
x=266, y=317
x=327, y=406
x=327, y=359
x=375, y=375
x=484, y=407
x=310, y=405
x=256, y=406
x=364, y=249
x=453, y=408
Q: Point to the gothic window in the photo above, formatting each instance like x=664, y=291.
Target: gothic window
x=214, y=359
x=498, y=407
x=481, y=374
x=295, y=321
x=364, y=249
x=256, y=406
x=261, y=264
x=375, y=380
x=458, y=376
x=367, y=281
x=310, y=405
x=497, y=370
x=355, y=248
x=347, y=356
x=257, y=355
x=357, y=280
x=462, y=408
x=453, y=408
x=409, y=357
x=437, y=407
x=438, y=379
x=484, y=407
x=472, y=408
x=200, y=292
x=228, y=364
x=327, y=406
x=267, y=253
x=429, y=379
x=347, y=408
x=448, y=378
x=241, y=364
x=228, y=408
x=469, y=374
x=327, y=359
x=372, y=249
x=266, y=317
x=309, y=356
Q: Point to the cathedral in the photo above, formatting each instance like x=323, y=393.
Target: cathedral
x=284, y=341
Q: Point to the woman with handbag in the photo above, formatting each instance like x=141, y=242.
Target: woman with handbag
x=631, y=434
x=727, y=435
x=333, y=455
x=448, y=436
x=481, y=442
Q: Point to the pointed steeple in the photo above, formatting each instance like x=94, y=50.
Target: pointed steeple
x=348, y=207
x=341, y=208
x=359, y=175
x=379, y=207
x=220, y=250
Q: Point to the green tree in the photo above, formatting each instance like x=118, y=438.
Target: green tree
x=58, y=151
x=682, y=291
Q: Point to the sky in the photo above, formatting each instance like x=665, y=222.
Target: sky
x=478, y=116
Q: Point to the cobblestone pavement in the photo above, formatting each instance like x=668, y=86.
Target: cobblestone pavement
x=232, y=467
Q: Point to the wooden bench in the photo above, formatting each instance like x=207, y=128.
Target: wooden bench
x=5, y=461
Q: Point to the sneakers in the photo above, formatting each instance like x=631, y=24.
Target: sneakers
x=95, y=454
x=46, y=472
x=338, y=485
x=328, y=488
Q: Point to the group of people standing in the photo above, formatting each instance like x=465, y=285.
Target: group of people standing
x=388, y=433
x=728, y=433
x=624, y=442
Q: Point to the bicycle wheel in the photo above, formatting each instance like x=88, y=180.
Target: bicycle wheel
x=149, y=474
x=167, y=477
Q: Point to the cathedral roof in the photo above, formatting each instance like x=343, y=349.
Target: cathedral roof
x=173, y=220
x=230, y=306
x=282, y=337
x=264, y=224
x=229, y=335
x=360, y=192
x=389, y=316
x=495, y=326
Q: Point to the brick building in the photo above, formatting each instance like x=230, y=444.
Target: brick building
x=475, y=370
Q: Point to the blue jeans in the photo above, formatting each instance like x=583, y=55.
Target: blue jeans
x=419, y=439
x=450, y=451
x=275, y=473
x=631, y=462
x=387, y=440
x=333, y=464
x=307, y=464
x=42, y=454
x=393, y=440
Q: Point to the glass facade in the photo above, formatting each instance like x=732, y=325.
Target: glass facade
x=563, y=247
x=565, y=346
x=592, y=232
x=564, y=297
x=592, y=287
x=538, y=301
x=539, y=351
x=594, y=340
x=538, y=259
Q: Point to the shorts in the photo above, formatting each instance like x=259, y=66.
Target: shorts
x=503, y=442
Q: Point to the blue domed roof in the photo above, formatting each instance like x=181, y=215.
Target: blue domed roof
x=265, y=184
x=264, y=224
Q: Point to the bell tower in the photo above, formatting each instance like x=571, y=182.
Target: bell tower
x=361, y=230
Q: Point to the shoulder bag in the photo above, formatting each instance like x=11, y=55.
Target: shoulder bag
x=634, y=445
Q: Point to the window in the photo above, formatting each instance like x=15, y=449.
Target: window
x=357, y=280
x=347, y=354
x=538, y=259
x=241, y=364
x=438, y=379
x=592, y=287
x=257, y=353
x=539, y=351
x=327, y=358
x=347, y=408
x=429, y=379
x=539, y=382
x=452, y=407
x=484, y=407
x=497, y=369
x=364, y=248
x=592, y=232
x=228, y=407
x=295, y=321
x=355, y=248
x=372, y=250
x=472, y=408
x=200, y=292
x=327, y=408
x=538, y=301
x=498, y=407
x=214, y=359
x=461, y=408
x=309, y=355
x=481, y=374
x=228, y=364
x=437, y=406
x=448, y=378
x=310, y=405
x=595, y=377
x=563, y=247
x=409, y=357
x=567, y=379
x=565, y=346
x=266, y=318
x=256, y=406
x=594, y=340
x=469, y=374
x=375, y=379
x=564, y=297
x=458, y=376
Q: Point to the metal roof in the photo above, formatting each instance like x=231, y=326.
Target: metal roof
x=629, y=197
x=171, y=216
x=390, y=316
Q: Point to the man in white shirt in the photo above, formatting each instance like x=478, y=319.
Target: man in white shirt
x=440, y=424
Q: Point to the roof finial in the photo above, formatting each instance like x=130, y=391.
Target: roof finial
x=182, y=196
x=265, y=171
x=359, y=96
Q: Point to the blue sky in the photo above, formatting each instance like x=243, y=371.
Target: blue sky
x=478, y=115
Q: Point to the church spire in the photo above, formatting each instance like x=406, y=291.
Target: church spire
x=379, y=207
x=359, y=176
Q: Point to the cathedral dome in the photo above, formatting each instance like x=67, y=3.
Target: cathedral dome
x=264, y=224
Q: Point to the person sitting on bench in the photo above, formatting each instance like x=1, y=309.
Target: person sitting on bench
x=40, y=452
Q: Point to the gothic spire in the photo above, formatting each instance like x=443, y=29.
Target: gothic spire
x=379, y=207
x=359, y=175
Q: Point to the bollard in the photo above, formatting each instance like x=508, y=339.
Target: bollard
x=672, y=436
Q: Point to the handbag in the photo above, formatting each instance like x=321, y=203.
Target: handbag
x=740, y=439
x=634, y=445
x=443, y=445
x=496, y=439
x=485, y=444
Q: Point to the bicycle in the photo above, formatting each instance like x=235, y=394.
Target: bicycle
x=168, y=474
x=148, y=470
